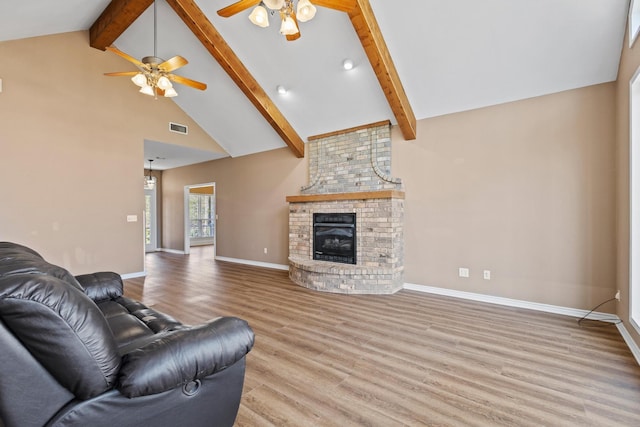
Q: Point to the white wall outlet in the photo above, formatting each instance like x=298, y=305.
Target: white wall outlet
x=265, y=250
x=617, y=295
x=486, y=274
x=132, y=218
x=463, y=272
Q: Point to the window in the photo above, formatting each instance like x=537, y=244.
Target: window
x=201, y=216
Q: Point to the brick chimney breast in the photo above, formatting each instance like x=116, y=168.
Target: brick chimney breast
x=350, y=172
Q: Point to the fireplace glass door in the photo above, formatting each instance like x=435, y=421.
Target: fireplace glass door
x=334, y=237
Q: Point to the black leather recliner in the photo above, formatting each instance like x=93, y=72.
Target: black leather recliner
x=75, y=352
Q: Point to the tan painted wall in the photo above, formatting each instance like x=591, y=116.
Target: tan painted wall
x=525, y=189
x=250, y=203
x=71, y=152
x=629, y=63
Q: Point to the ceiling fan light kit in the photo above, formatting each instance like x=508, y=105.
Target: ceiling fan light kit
x=288, y=27
x=274, y=4
x=304, y=11
x=259, y=16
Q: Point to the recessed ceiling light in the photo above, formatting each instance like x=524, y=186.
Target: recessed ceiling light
x=281, y=90
x=347, y=64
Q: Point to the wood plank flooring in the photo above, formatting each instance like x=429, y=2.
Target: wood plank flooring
x=409, y=359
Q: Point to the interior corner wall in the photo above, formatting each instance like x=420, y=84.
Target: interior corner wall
x=629, y=64
x=250, y=203
x=525, y=190
x=71, y=152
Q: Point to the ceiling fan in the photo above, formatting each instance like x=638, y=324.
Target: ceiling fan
x=154, y=75
x=289, y=26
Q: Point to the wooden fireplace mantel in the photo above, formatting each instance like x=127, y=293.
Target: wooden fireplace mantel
x=363, y=195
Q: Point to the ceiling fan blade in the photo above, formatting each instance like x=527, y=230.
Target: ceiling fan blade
x=122, y=73
x=173, y=64
x=126, y=56
x=293, y=37
x=296, y=36
x=188, y=82
x=237, y=7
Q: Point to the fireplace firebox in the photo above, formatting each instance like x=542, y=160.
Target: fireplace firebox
x=334, y=237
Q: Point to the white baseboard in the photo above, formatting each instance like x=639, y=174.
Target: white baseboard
x=635, y=350
x=555, y=309
x=133, y=275
x=171, y=251
x=254, y=263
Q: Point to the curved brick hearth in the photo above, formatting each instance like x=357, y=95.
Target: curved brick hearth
x=345, y=278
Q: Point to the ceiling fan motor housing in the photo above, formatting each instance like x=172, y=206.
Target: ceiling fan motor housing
x=152, y=61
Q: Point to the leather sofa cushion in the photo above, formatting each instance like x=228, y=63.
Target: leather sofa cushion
x=18, y=259
x=131, y=320
x=102, y=285
x=63, y=328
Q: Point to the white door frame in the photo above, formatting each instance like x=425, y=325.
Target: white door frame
x=187, y=224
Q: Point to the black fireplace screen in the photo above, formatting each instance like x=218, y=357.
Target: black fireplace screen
x=334, y=237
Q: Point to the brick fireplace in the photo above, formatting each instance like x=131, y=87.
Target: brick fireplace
x=349, y=173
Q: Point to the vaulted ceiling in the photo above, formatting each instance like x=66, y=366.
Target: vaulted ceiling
x=413, y=59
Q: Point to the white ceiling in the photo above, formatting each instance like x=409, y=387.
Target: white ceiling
x=451, y=56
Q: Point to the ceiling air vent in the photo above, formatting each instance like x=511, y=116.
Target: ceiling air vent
x=178, y=128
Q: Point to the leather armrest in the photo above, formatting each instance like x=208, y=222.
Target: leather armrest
x=102, y=285
x=185, y=355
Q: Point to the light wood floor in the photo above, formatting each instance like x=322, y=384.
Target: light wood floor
x=407, y=359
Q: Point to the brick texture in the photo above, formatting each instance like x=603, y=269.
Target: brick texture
x=358, y=161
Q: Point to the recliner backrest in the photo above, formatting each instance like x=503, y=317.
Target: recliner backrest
x=57, y=322
x=18, y=259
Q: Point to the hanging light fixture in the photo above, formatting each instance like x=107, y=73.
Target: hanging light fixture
x=305, y=11
x=149, y=181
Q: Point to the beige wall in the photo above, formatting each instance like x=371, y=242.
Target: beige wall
x=250, y=203
x=71, y=152
x=629, y=63
x=525, y=189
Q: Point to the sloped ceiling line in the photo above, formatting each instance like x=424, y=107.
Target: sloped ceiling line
x=211, y=39
x=119, y=14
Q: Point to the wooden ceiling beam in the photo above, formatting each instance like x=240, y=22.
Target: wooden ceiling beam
x=341, y=5
x=114, y=20
x=366, y=26
x=211, y=39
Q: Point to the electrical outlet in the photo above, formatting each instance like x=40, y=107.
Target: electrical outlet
x=486, y=274
x=463, y=272
x=617, y=295
x=265, y=250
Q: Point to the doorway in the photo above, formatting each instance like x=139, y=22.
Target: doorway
x=200, y=216
x=150, y=220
